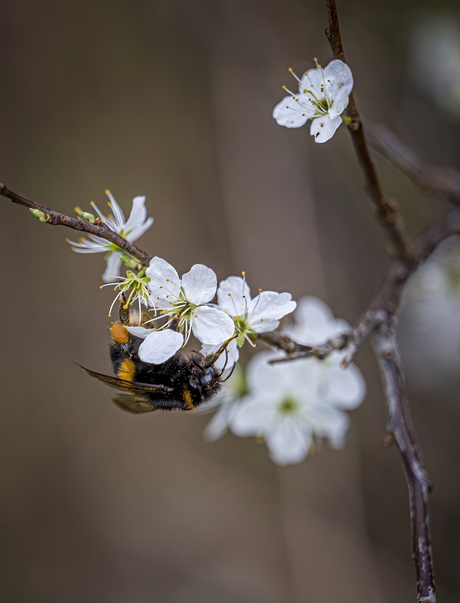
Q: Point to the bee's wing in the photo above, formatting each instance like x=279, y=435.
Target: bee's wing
x=130, y=386
x=133, y=403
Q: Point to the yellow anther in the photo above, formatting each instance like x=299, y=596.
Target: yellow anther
x=284, y=87
x=259, y=290
x=261, y=320
x=107, y=192
x=229, y=294
x=315, y=59
x=243, y=273
x=290, y=69
x=92, y=203
x=167, y=280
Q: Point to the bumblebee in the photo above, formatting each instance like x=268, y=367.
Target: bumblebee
x=183, y=382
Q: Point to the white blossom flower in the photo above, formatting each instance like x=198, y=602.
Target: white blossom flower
x=131, y=229
x=291, y=403
x=184, y=303
x=315, y=324
x=251, y=316
x=288, y=407
x=322, y=97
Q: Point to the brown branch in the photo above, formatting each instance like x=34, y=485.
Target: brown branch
x=98, y=229
x=400, y=425
x=439, y=181
x=386, y=210
x=349, y=341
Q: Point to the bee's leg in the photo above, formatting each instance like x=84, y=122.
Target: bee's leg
x=123, y=310
x=210, y=359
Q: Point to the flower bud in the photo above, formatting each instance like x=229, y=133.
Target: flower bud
x=85, y=215
x=40, y=215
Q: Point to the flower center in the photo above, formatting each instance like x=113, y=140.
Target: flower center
x=288, y=406
x=133, y=287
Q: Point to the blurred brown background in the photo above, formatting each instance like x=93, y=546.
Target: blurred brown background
x=173, y=100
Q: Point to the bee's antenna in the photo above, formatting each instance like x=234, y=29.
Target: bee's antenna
x=225, y=365
x=229, y=375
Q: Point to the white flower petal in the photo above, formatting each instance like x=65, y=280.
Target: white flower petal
x=264, y=379
x=329, y=423
x=264, y=326
x=164, y=280
x=315, y=322
x=340, y=75
x=137, y=216
x=289, y=442
x=253, y=417
x=233, y=295
x=199, y=284
x=117, y=211
x=113, y=267
x=212, y=326
x=220, y=422
x=290, y=113
x=313, y=80
x=140, y=332
x=339, y=105
x=346, y=388
x=323, y=128
x=160, y=345
x=269, y=304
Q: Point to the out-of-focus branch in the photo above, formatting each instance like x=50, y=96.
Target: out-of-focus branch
x=385, y=303
x=386, y=210
x=440, y=181
x=98, y=229
x=349, y=341
x=400, y=425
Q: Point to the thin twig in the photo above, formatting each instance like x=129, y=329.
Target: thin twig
x=386, y=210
x=419, y=483
x=98, y=229
x=442, y=182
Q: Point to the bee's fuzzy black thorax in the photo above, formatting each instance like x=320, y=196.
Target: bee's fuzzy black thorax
x=182, y=382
